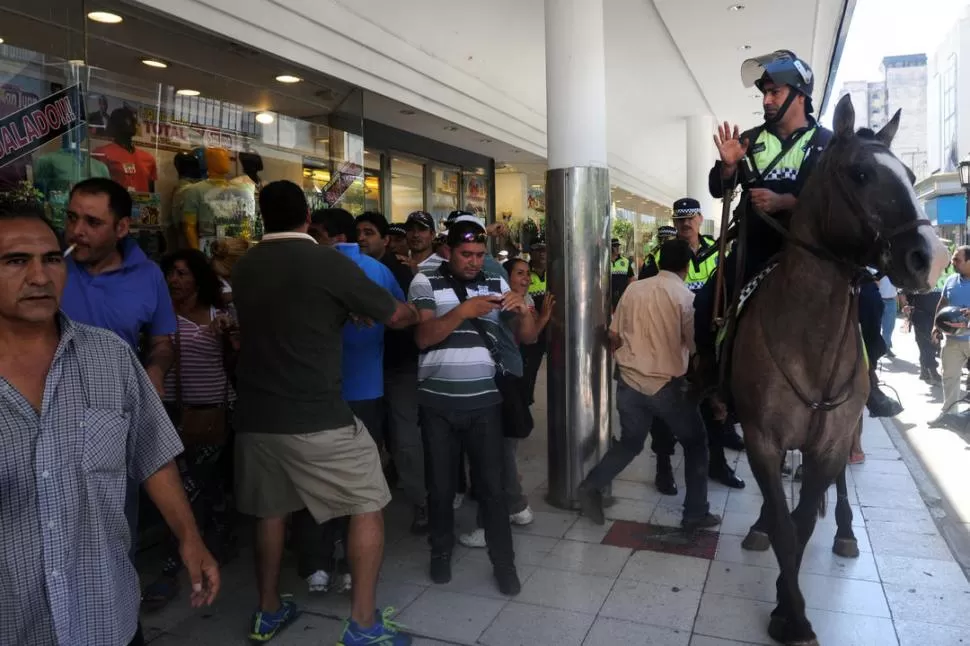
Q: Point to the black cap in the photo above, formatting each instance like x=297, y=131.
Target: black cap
x=666, y=231
x=420, y=218
x=538, y=242
x=463, y=216
x=686, y=207
x=396, y=230
x=615, y=242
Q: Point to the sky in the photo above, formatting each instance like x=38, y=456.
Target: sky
x=890, y=27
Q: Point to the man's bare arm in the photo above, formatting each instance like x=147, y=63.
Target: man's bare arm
x=161, y=356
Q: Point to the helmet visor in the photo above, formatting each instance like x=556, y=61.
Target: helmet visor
x=781, y=66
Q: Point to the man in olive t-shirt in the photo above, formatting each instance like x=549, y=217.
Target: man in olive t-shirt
x=298, y=444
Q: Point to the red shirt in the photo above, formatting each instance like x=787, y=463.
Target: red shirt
x=133, y=170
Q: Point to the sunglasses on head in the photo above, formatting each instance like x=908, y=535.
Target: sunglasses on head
x=470, y=236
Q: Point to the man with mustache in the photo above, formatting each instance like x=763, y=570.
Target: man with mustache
x=78, y=416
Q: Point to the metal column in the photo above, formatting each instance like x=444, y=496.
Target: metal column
x=578, y=234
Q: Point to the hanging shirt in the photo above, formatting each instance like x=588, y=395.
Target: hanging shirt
x=135, y=170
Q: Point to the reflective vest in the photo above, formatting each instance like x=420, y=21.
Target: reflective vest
x=621, y=266
x=769, y=146
x=537, y=286
x=698, y=272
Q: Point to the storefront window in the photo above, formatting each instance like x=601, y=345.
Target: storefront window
x=373, y=188
x=407, y=188
x=444, y=191
x=475, y=192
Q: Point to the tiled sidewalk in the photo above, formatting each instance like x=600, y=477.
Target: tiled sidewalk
x=905, y=588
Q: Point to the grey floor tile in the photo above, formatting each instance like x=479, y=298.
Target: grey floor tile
x=611, y=632
x=915, y=572
x=930, y=605
x=566, y=590
x=915, y=633
x=450, y=616
x=548, y=523
x=587, y=558
x=742, y=620
x=636, y=511
x=475, y=576
x=701, y=640
x=588, y=532
x=529, y=550
x=648, y=603
x=667, y=569
x=520, y=624
x=889, y=540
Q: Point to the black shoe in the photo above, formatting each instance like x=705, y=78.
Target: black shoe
x=420, y=523
x=726, y=476
x=881, y=405
x=731, y=439
x=441, y=568
x=704, y=522
x=924, y=375
x=591, y=504
x=508, y=581
x=889, y=354
x=665, y=477
x=934, y=377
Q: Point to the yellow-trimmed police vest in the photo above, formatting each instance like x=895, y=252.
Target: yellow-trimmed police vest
x=769, y=146
x=698, y=272
x=537, y=286
x=621, y=266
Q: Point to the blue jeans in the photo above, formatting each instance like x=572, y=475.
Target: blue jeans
x=888, y=321
x=678, y=409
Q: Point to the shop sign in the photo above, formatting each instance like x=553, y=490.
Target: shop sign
x=346, y=175
x=30, y=127
x=184, y=136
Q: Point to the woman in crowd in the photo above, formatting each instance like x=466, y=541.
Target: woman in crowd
x=198, y=398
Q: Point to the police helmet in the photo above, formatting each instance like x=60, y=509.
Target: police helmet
x=951, y=320
x=782, y=67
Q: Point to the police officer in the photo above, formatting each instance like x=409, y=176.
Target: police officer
x=649, y=266
x=621, y=271
x=771, y=162
x=720, y=434
x=532, y=353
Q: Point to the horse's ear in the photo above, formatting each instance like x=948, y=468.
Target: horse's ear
x=844, y=120
x=888, y=132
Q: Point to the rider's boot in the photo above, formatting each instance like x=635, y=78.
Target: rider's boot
x=880, y=404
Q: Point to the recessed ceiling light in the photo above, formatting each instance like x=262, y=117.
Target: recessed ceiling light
x=485, y=141
x=744, y=48
x=105, y=17
x=758, y=113
x=154, y=62
x=288, y=78
x=736, y=7
x=408, y=112
x=451, y=128
x=186, y=92
x=265, y=117
x=1, y=41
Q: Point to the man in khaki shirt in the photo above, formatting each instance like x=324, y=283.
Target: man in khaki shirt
x=652, y=336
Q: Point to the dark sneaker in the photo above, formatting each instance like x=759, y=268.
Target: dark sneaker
x=384, y=632
x=441, y=568
x=726, y=476
x=420, y=523
x=508, y=581
x=882, y=405
x=591, y=504
x=664, y=481
x=267, y=625
x=703, y=522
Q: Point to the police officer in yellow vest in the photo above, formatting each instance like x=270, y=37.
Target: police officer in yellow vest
x=687, y=222
x=772, y=163
x=621, y=271
x=532, y=353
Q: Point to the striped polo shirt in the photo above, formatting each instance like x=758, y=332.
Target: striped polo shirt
x=458, y=372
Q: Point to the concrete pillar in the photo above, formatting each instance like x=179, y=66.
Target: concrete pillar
x=701, y=154
x=578, y=228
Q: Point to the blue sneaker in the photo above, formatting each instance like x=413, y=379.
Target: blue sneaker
x=267, y=625
x=384, y=632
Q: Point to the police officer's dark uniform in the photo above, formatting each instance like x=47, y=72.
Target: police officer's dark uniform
x=649, y=266
x=621, y=271
x=782, y=166
x=719, y=434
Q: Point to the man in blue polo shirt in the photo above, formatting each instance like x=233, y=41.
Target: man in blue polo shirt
x=956, y=347
x=111, y=283
x=362, y=384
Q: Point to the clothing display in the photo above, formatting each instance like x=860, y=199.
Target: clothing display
x=220, y=209
x=135, y=169
x=55, y=173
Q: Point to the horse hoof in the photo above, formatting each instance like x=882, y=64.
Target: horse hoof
x=778, y=630
x=846, y=548
x=756, y=541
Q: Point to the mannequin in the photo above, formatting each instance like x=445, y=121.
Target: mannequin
x=189, y=171
x=131, y=167
x=215, y=207
x=252, y=165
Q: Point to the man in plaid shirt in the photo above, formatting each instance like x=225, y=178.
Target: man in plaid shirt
x=78, y=415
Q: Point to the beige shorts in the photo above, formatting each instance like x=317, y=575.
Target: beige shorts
x=331, y=473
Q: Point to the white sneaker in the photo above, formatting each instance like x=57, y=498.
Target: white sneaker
x=474, y=539
x=319, y=581
x=524, y=517
x=459, y=500
x=343, y=583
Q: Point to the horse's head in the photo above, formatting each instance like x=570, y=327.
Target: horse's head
x=868, y=212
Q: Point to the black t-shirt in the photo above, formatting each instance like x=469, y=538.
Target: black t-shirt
x=400, y=350
x=293, y=297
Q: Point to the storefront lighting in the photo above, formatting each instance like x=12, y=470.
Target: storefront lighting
x=1, y=41
x=265, y=118
x=154, y=62
x=186, y=92
x=964, y=169
x=288, y=78
x=105, y=17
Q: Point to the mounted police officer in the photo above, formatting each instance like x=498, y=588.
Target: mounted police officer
x=621, y=271
x=771, y=163
x=720, y=435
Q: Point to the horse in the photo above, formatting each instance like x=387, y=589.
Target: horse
x=802, y=383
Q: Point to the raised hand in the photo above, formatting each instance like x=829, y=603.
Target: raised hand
x=729, y=144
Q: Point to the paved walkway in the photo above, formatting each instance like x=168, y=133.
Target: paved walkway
x=905, y=588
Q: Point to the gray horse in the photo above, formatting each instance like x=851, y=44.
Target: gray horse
x=803, y=382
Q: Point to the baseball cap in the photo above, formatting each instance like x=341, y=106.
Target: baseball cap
x=464, y=216
x=396, y=230
x=539, y=242
x=420, y=218
x=686, y=207
x=615, y=242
